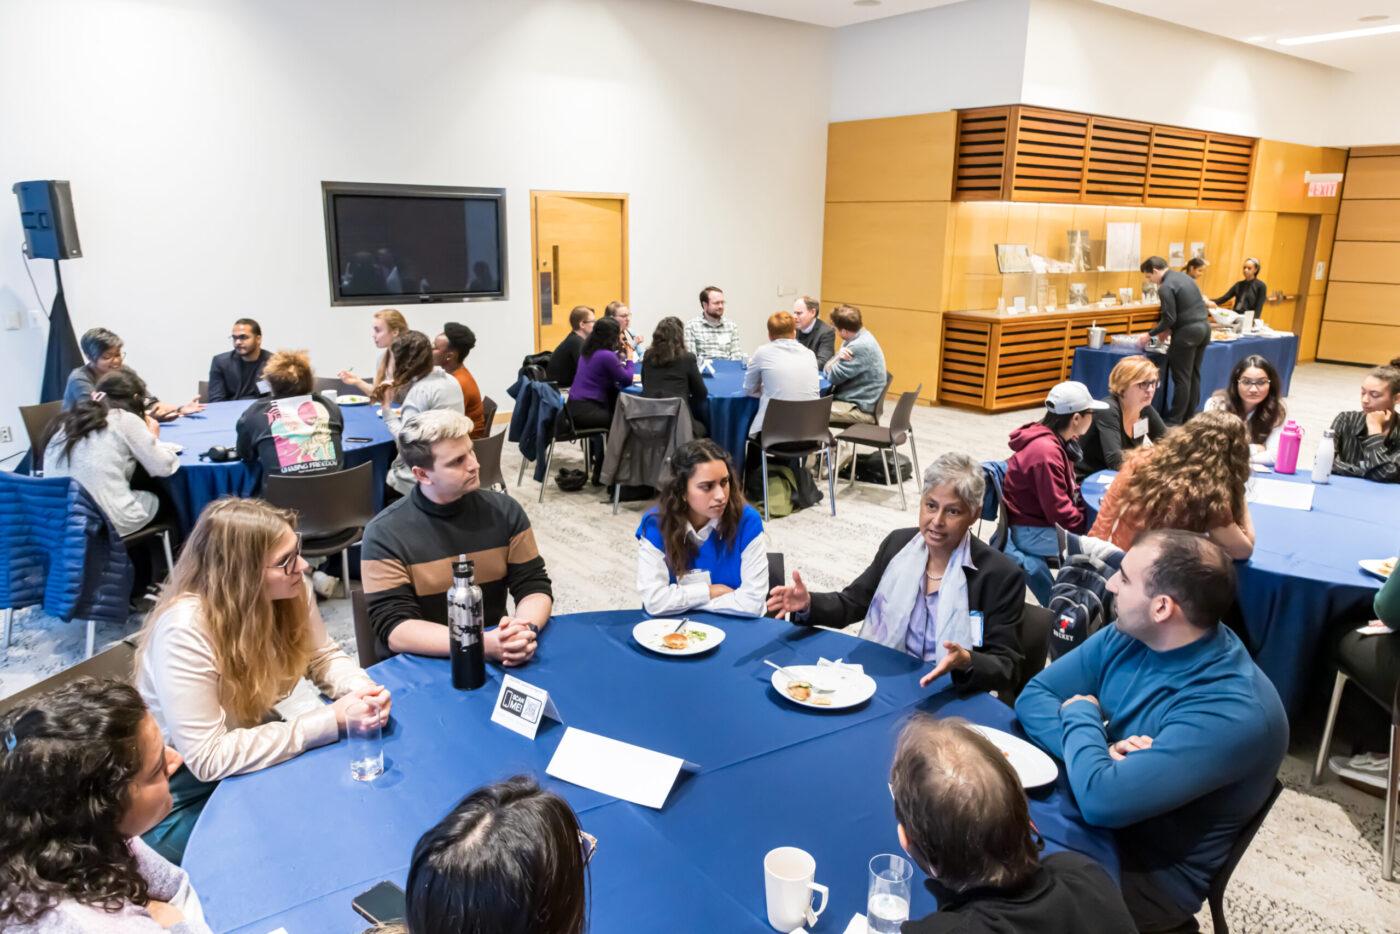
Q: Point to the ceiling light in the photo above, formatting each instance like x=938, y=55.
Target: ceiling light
x=1373, y=18
x=1344, y=34
x=1256, y=39
x=867, y=2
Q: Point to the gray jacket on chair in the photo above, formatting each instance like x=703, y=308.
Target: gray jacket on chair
x=643, y=435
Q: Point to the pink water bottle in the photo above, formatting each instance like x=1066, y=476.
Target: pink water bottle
x=1288, y=443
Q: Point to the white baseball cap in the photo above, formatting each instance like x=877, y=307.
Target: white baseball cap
x=1071, y=396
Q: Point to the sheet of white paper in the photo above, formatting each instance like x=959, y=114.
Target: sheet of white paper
x=615, y=768
x=1107, y=478
x=858, y=924
x=1123, y=250
x=1265, y=492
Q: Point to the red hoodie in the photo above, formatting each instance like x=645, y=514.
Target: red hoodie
x=1039, y=487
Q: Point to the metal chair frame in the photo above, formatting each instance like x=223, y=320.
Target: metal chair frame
x=900, y=424
x=785, y=441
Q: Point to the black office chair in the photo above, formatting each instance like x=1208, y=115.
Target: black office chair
x=332, y=510
x=488, y=456
x=776, y=576
x=1237, y=850
x=37, y=419
x=117, y=663
x=887, y=439
x=565, y=430
x=366, y=642
x=488, y=412
x=796, y=429
x=1036, y=625
x=204, y=390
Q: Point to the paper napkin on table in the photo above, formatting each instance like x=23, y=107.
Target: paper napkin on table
x=828, y=663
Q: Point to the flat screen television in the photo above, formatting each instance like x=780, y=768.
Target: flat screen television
x=392, y=244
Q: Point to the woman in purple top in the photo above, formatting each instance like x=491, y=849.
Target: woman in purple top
x=604, y=367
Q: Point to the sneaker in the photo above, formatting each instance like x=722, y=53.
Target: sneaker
x=1370, y=771
x=323, y=584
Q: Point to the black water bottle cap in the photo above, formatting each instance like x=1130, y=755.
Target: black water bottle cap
x=462, y=567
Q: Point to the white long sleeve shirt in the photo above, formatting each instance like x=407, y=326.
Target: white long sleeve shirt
x=660, y=596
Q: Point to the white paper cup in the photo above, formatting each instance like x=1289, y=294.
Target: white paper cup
x=788, y=884
x=330, y=395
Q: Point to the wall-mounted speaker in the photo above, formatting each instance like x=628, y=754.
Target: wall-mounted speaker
x=46, y=211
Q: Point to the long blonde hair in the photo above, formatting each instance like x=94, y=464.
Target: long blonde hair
x=261, y=647
x=398, y=325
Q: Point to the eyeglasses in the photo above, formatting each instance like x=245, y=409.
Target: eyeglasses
x=1255, y=383
x=289, y=566
x=1149, y=385
x=589, y=844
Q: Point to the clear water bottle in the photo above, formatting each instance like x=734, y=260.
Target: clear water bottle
x=466, y=624
x=1326, y=454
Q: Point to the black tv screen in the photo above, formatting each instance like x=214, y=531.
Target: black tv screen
x=400, y=243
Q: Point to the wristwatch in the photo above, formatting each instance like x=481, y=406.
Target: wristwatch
x=533, y=628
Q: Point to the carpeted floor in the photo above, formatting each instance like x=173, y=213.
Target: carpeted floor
x=1315, y=865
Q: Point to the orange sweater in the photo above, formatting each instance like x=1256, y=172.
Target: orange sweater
x=471, y=402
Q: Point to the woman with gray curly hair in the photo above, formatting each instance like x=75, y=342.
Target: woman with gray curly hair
x=933, y=591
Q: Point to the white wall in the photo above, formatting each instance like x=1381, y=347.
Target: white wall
x=196, y=135
x=1098, y=59
x=1365, y=108
x=969, y=54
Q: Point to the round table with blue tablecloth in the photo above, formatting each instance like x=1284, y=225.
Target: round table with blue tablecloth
x=727, y=411
x=292, y=845
x=1092, y=366
x=198, y=483
x=1304, y=573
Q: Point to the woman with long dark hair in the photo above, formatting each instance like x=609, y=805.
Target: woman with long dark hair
x=415, y=386
x=669, y=371
x=701, y=547
x=1368, y=439
x=99, y=442
x=83, y=773
x=605, y=365
x=1255, y=396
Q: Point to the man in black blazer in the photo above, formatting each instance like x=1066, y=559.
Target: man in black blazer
x=812, y=332
x=236, y=374
x=996, y=586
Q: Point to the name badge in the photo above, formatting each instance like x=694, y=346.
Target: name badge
x=1140, y=428
x=976, y=628
x=264, y=387
x=520, y=707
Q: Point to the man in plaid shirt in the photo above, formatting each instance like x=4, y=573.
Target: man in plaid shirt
x=709, y=336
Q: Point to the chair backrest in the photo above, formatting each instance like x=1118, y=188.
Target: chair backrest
x=37, y=419
x=488, y=455
x=806, y=421
x=901, y=420
x=117, y=663
x=326, y=503
x=488, y=412
x=776, y=574
x=1036, y=624
x=366, y=642
x=333, y=384
x=1237, y=851
x=880, y=402
x=994, y=504
x=204, y=390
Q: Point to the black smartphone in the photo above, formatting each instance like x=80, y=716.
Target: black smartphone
x=383, y=904
x=358, y=440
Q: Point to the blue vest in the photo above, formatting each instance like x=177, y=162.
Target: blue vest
x=722, y=559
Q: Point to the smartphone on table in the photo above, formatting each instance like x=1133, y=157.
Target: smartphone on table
x=383, y=904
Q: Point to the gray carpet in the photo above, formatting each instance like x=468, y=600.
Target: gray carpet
x=1315, y=865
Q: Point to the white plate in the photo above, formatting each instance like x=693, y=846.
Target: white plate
x=352, y=400
x=1032, y=766
x=849, y=687
x=703, y=636
x=1373, y=566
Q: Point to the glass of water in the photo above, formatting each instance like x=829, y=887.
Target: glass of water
x=366, y=737
x=887, y=906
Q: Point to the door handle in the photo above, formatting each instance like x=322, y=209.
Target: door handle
x=556, y=274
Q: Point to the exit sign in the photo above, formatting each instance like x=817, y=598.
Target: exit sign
x=1322, y=185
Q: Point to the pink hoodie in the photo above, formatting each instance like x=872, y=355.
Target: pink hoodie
x=1040, y=488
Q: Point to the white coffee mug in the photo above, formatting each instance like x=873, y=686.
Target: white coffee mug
x=330, y=395
x=787, y=882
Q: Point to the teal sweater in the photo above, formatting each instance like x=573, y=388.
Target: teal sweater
x=860, y=379
x=1218, y=734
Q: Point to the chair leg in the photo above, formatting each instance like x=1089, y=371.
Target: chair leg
x=548, y=458
x=345, y=570
x=914, y=456
x=763, y=459
x=1392, y=787
x=9, y=624
x=855, y=449
x=1327, y=727
x=885, y=465
x=521, y=476
x=91, y=637
x=617, y=496
x=169, y=555
x=831, y=476
x=899, y=478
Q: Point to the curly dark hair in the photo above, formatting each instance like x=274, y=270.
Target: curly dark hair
x=1269, y=413
x=412, y=353
x=673, y=508
x=1192, y=478
x=64, y=787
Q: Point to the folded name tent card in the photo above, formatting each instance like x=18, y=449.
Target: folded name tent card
x=520, y=707
x=615, y=768
x=1281, y=493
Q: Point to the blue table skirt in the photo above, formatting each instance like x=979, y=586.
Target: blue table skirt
x=198, y=483
x=1092, y=367
x=1304, y=574
x=728, y=412
x=306, y=839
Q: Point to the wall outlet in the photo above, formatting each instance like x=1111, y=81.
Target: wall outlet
x=6, y=436
x=12, y=322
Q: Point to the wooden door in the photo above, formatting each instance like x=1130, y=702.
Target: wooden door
x=580, y=246
x=1284, y=272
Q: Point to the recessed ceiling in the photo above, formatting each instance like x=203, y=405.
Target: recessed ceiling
x=833, y=13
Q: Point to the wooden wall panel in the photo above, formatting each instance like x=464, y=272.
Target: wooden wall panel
x=1364, y=303
x=1278, y=183
x=893, y=159
x=1373, y=177
x=888, y=254
x=1369, y=220
x=980, y=160
x=1367, y=344
x=1356, y=261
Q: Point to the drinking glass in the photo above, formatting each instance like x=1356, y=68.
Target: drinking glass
x=366, y=737
x=887, y=906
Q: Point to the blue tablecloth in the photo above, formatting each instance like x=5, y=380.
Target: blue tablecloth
x=1091, y=367
x=1304, y=574
x=198, y=483
x=292, y=845
x=727, y=412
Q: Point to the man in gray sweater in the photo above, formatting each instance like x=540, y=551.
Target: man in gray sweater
x=857, y=372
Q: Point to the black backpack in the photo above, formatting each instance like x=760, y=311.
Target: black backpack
x=1080, y=601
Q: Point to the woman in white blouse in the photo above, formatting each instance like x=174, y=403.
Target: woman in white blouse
x=234, y=631
x=1256, y=396
x=416, y=386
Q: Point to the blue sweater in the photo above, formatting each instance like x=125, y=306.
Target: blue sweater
x=723, y=561
x=1218, y=736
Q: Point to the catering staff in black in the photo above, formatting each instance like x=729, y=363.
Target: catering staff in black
x=1249, y=293
x=1183, y=313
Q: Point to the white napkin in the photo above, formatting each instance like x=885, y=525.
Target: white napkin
x=858, y=924
x=828, y=663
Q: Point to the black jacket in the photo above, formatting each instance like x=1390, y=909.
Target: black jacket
x=1182, y=303
x=997, y=588
x=676, y=379
x=1070, y=894
x=563, y=363
x=1249, y=295
x=821, y=340
x=232, y=377
x=1106, y=441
